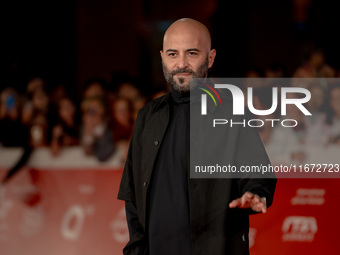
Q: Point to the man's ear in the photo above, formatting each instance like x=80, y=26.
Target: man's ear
x=161, y=52
x=211, y=57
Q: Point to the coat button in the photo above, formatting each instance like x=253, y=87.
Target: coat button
x=145, y=184
x=155, y=142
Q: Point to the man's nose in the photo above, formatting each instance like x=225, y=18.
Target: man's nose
x=182, y=62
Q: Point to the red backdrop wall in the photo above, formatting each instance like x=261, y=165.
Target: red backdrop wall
x=74, y=210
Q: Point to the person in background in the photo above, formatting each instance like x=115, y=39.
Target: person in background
x=282, y=144
x=122, y=118
x=96, y=136
x=253, y=73
x=138, y=103
x=94, y=87
x=34, y=84
x=294, y=113
x=35, y=114
x=12, y=132
x=317, y=129
x=57, y=94
x=66, y=131
x=122, y=124
x=315, y=66
x=129, y=91
x=335, y=115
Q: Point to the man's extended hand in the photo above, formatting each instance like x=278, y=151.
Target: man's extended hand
x=250, y=200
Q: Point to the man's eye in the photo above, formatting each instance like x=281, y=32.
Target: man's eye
x=192, y=53
x=172, y=54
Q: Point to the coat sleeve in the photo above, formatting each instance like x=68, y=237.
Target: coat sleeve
x=132, y=218
x=126, y=190
x=251, y=152
x=136, y=244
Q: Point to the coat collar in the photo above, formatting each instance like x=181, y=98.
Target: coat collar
x=163, y=101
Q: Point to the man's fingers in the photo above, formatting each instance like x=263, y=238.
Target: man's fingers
x=264, y=202
x=248, y=195
x=250, y=200
x=242, y=202
x=260, y=206
x=256, y=199
x=246, y=199
x=235, y=203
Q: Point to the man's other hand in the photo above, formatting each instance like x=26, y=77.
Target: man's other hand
x=250, y=200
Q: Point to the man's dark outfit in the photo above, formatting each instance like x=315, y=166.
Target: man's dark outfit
x=169, y=213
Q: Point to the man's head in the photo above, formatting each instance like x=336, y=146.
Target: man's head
x=186, y=53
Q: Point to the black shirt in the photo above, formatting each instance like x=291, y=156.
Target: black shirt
x=169, y=226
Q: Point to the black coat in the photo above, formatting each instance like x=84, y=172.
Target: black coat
x=214, y=227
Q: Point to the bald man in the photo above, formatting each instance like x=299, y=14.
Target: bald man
x=186, y=53
x=167, y=212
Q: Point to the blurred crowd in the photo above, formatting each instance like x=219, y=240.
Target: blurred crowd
x=100, y=122
x=320, y=130
x=103, y=120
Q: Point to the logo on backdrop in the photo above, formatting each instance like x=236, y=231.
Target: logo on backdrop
x=252, y=235
x=299, y=229
x=309, y=197
x=119, y=228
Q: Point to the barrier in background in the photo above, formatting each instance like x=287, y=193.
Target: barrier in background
x=68, y=206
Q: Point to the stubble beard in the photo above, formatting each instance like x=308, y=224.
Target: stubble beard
x=181, y=87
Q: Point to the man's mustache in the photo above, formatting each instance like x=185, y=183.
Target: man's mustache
x=183, y=70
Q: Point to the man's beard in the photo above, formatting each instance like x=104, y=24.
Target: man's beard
x=202, y=72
